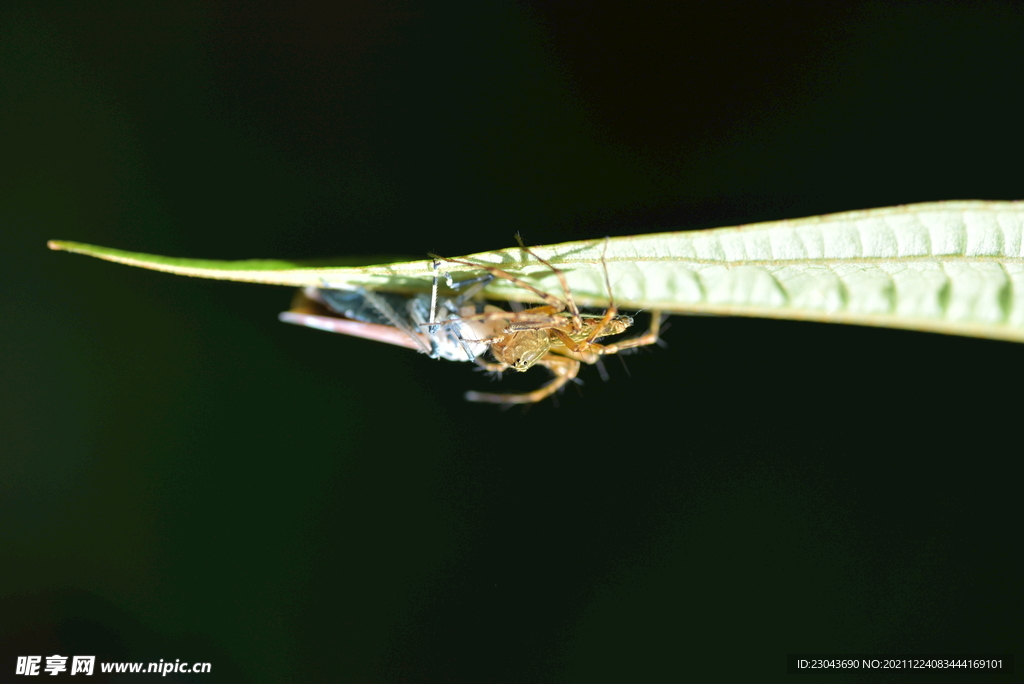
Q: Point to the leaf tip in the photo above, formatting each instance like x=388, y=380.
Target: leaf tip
x=56, y=245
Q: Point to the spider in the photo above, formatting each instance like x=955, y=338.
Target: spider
x=555, y=335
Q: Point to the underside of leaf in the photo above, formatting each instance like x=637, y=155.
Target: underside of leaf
x=950, y=267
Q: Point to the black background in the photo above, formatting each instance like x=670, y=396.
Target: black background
x=183, y=477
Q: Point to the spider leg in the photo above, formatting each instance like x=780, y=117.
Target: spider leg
x=564, y=369
x=432, y=326
x=650, y=337
x=577, y=321
x=553, y=301
x=601, y=328
x=538, y=318
x=612, y=311
x=492, y=367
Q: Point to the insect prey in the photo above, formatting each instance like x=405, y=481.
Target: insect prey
x=462, y=327
x=411, y=321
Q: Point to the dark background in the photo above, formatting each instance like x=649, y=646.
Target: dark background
x=183, y=477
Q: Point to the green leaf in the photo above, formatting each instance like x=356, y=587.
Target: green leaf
x=949, y=267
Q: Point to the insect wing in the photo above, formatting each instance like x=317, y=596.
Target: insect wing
x=345, y=326
x=351, y=315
